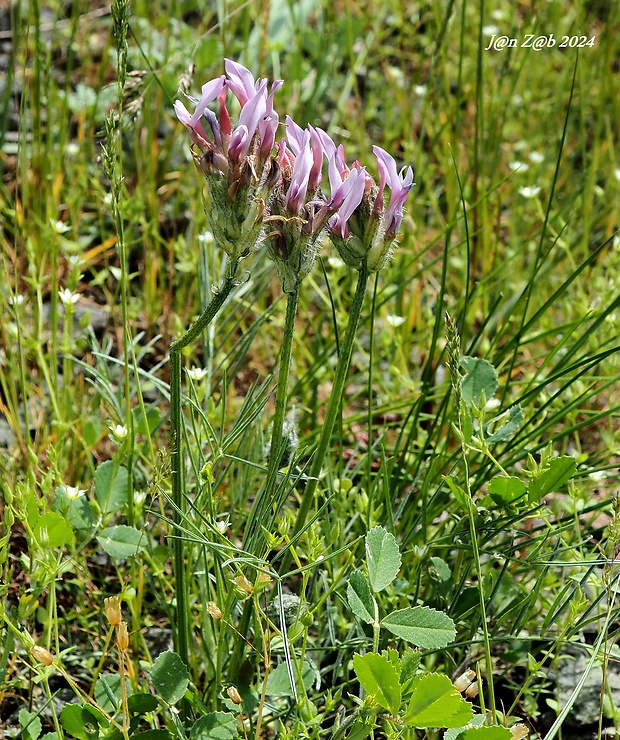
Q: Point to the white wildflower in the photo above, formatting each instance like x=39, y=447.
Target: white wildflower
x=197, y=374
x=395, y=320
x=68, y=297
x=73, y=493
x=530, y=191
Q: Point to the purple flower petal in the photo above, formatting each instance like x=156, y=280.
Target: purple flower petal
x=240, y=81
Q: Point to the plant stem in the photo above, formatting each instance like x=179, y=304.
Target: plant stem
x=181, y=642
x=333, y=406
x=264, y=498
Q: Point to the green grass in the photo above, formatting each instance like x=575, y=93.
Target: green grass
x=528, y=276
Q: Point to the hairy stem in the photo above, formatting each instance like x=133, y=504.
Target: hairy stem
x=333, y=406
x=265, y=497
x=181, y=636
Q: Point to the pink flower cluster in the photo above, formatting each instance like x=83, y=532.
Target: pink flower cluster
x=288, y=173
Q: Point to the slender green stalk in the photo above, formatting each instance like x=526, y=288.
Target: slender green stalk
x=181, y=635
x=333, y=405
x=264, y=499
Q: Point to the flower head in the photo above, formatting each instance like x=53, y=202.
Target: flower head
x=363, y=229
x=235, y=159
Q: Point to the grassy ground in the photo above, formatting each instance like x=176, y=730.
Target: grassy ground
x=511, y=230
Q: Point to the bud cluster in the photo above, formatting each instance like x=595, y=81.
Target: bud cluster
x=261, y=188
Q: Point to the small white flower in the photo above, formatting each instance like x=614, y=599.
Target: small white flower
x=491, y=404
x=206, y=238
x=197, y=374
x=73, y=493
x=498, y=14
x=395, y=320
x=530, y=191
x=222, y=526
x=490, y=30
x=521, y=166
x=517, y=100
x=68, y=298
x=72, y=149
x=419, y=90
x=615, y=242
x=16, y=300
x=108, y=199
x=139, y=497
x=59, y=226
x=617, y=174
x=119, y=432
x=597, y=475
x=74, y=259
x=536, y=157
x=335, y=262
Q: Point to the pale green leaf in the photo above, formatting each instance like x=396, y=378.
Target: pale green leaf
x=380, y=679
x=111, y=487
x=279, y=682
x=121, y=541
x=421, y=626
x=382, y=558
x=170, y=677
x=360, y=598
x=480, y=378
x=511, y=419
x=215, y=726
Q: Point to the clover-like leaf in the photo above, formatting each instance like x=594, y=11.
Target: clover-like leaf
x=170, y=677
x=421, y=626
x=380, y=679
x=361, y=600
x=382, y=558
x=480, y=379
x=436, y=703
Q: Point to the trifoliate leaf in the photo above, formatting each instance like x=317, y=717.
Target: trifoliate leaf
x=560, y=471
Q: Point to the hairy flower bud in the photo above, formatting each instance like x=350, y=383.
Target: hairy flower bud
x=234, y=695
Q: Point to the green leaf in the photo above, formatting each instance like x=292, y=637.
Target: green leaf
x=505, y=490
x=382, y=558
x=421, y=626
x=510, y=426
x=486, y=733
x=71, y=720
x=559, y=472
x=30, y=724
x=51, y=530
x=410, y=662
x=459, y=493
x=436, y=703
x=151, y=735
x=142, y=703
x=480, y=378
x=215, y=726
x=380, y=679
x=108, y=694
x=170, y=677
x=121, y=541
x=279, y=683
x=111, y=487
x=476, y=721
x=361, y=600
